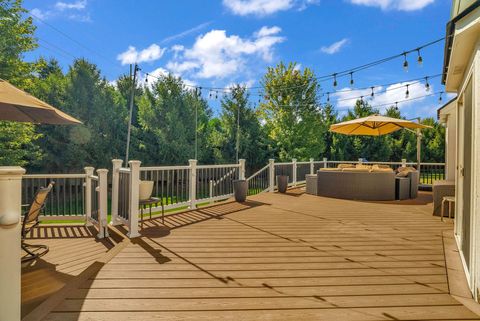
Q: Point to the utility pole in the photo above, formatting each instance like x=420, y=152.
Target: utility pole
x=237, y=145
x=196, y=130
x=132, y=98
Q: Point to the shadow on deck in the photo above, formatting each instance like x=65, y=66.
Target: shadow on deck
x=275, y=257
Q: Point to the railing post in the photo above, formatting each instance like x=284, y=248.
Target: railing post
x=324, y=162
x=193, y=183
x=116, y=165
x=10, y=251
x=210, y=189
x=404, y=162
x=102, y=203
x=88, y=195
x=271, y=169
x=312, y=166
x=134, y=198
x=360, y=161
x=241, y=174
x=294, y=171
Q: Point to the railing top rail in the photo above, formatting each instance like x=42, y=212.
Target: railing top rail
x=94, y=177
x=284, y=163
x=162, y=168
x=54, y=176
x=303, y=163
x=379, y=162
x=218, y=166
x=124, y=170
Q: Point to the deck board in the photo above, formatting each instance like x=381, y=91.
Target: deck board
x=277, y=257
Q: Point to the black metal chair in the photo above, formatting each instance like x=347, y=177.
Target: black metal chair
x=31, y=220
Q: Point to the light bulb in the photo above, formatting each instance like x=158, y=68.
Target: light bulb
x=405, y=62
x=419, y=59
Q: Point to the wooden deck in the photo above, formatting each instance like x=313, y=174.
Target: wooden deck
x=276, y=257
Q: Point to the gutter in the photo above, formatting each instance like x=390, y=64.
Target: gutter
x=449, y=37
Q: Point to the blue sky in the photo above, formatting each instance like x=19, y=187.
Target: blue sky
x=217, y=43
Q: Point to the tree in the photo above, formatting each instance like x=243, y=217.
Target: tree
x=16, y=139
x=17, y=38
x=292, y=119
x=238, y=118
x=167, y=113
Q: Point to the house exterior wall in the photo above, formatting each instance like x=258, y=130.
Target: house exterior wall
x=451, y=146
x=448, y=117
x=470, y=247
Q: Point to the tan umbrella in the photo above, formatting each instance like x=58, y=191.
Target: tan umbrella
x=17, y=105
x=374, y=125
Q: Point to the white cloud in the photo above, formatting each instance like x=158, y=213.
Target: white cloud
x=257, y=7
x=334, y=47
x=131, y=55
x=64, y=9
x=216, y=54
x=267, y=31
x=265, y=7
x=37, y=13
x=347, y=97
x=78, y=5
x=400, y=5
x=186, y=32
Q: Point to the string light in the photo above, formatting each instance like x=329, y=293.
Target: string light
x=419, y=59
x=407, y=93
x=440, y=97
x=427, y=85
x=372, y=94
x=405, y=62
x=396, y=105
x=351, y=79
x=328, y=97
x=335, y=81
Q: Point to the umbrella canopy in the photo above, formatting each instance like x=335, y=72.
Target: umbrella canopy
x=17, y=105
x=374, y=125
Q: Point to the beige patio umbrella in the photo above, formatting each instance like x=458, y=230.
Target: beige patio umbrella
x=17, y=105
x=374, y=125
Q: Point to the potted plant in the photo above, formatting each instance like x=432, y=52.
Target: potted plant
x=240, y=188
x=145, y=190
x=282, y=183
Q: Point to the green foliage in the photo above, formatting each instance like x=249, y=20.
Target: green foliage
x=238, y=118
x=167, y=112
x=288, y=124
x=16, y=144
x=292, y=119
x=16, y=39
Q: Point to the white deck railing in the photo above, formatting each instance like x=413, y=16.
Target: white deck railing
x=175, y=187
x=81, y=196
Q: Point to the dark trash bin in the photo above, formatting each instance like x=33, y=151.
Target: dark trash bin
x=282, y=183
x=240, y=188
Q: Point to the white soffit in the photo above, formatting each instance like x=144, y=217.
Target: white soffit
x=467, y=33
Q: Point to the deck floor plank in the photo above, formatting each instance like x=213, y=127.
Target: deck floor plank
x=276, y=257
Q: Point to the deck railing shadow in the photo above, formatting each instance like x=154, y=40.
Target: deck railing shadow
x=155, y=227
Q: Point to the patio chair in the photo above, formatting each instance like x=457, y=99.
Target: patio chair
x=30, y=221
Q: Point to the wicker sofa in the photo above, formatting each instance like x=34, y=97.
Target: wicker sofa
x=357, y=185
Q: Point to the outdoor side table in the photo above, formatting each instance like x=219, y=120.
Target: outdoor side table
x=449, y=200
x=149, y=202
x=402, y=188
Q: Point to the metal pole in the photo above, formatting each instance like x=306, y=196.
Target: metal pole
x=238, y=133
x=196, y=130
x=132, y=97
